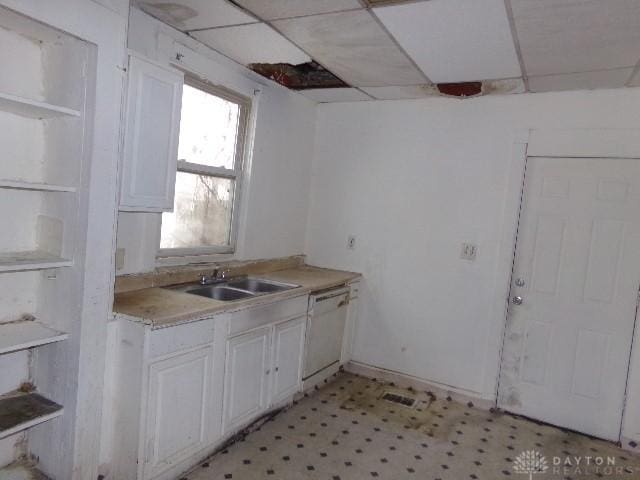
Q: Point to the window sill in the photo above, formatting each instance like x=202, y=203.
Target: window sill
x=168, y=260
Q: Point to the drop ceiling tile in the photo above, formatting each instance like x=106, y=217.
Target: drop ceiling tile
x=193, y=14
x=354, y=47
x=455, y=40
x=401, y=93
x=255, y=43
x=581, y=81
x=277, y=9
x=560, y=36
x=504, y=86
x=331, y=95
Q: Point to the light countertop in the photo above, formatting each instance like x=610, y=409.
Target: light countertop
x=162, y=307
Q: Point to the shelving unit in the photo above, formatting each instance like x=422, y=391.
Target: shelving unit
x=33, y=108
x=43, y=198
x=27, y=333
x=31, y=260
x=35, y=186
x=19, y=411
x=17, y=471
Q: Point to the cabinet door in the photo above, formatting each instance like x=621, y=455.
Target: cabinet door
x=152, y=126
x=288, y=350
x=246, y=377
x=178, y=409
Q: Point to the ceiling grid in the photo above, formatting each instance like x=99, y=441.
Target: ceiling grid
x=399, y=49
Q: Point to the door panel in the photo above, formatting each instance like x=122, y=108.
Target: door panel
x=247, y=372
x=577, y=269
x=179, y=402
x=288, y=355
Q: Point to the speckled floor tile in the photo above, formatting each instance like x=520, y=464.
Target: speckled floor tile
x=346, y=431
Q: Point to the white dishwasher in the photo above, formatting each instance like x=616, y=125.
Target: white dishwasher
x=326, y=320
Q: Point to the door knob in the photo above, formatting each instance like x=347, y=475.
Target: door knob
x=517, y=300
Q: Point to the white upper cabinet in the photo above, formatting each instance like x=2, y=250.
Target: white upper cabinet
x=151, y=133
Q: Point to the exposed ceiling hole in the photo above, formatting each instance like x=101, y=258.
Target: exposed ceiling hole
x=298, y=77
x=463, y=89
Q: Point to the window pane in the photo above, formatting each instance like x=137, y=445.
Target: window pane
x=208, y=129
x=201, y=214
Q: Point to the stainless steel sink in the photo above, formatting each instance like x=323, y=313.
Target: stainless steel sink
x=221, y=292
x=235, y=289
x=257, y=285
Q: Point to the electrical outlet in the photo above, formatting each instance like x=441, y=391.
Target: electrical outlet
x=351, y=242
x=469, y=251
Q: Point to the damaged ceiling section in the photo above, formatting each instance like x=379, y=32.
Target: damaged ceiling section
x=298, y=77
x=351, y=50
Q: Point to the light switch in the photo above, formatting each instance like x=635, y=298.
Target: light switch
x=351, y=242
x=468, y=251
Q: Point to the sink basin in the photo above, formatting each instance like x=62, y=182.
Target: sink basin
x=218, y=292
x=235, y=289
x=257, y=285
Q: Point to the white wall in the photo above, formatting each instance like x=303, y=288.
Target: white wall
x=275, y=192
x=413, y=180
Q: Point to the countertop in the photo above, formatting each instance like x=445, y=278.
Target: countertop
x=163, y=307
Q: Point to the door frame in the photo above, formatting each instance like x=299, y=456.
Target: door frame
x=560, y=143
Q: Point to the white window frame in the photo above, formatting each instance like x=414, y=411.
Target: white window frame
x=235, y=174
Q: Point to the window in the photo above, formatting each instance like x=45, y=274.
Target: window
x=210, y=152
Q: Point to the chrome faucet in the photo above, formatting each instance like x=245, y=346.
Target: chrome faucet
x=218, y=275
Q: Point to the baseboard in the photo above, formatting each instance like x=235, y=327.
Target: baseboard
x=408, y=381
x=630, y=445
x=320, y=378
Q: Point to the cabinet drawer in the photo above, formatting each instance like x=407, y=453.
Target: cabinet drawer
x=180, y=337
x=265, y=314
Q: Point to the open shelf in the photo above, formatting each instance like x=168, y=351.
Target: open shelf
x=27, y=107
x=19, y=411
x=27, y=333
x=18, y=471
x=33, y=260
x=36, y=186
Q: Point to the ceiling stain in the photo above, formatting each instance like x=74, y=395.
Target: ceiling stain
x=383, y=3
x=298, y=77
x=168, y=12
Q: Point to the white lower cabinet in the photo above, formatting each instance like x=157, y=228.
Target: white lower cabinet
x=178, y=409
x=264, y=368
x=167, y=391
x=246, y=380
x=288, y=356
x=176, y=393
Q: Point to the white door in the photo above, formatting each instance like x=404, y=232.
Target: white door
x=288, y=351
x=178, y=409
x=246, y=377
x=576, y=273
x=149, y=163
